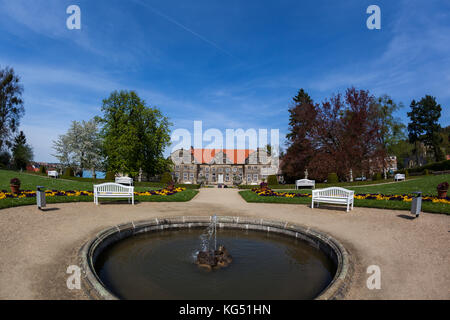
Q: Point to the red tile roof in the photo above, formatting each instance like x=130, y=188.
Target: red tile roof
x=236, y=156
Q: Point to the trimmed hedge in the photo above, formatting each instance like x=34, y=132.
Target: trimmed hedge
x=68, y=172
x=435, y=166
x=332, y=178
x=166, y=178
x=43, y=170
x=272, y=180
x=377, y=176
x=110, y=176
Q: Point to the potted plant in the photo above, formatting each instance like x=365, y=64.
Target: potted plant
x=15, y=185
x=442, y=189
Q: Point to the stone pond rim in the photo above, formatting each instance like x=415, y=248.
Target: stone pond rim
x=332, y=248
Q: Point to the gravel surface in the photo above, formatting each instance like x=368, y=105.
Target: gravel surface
x=413, y=254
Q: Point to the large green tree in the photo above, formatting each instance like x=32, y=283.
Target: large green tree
x=11, y=106
x=21, y=151
x=134, y=135
x=424, y=125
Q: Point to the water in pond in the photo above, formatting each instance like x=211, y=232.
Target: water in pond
x=161, y=265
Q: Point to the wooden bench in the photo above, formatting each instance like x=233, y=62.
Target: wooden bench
x=124, y=180
x=53, y=174
x=334, y=195
x=399, y=176
x=113, y=190
x=305, y=183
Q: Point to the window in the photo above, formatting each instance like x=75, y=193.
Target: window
x=220, y=170
x=207, y=169
x=227, y=170
x=255, y=177
x=207, y=176
x=177, y=167
x=249, y=177
x=191, y=175
x=186, y=167
x=234, y=169
x=213, y=169
x=177, y=174
x=185, y=176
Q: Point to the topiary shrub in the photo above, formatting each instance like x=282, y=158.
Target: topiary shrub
x=377, y=176
x=406, y=173
x=68, y=172
x=272, y=180
x=332, y=178
x=426, y=172
x=166, y=178
x=110, y=176
x=43, y=169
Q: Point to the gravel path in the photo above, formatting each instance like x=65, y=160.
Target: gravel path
x=413, y=254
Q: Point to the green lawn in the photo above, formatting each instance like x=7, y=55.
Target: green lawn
x=30, y=181
x=426, y=184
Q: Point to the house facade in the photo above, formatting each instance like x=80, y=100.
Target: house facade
x=223, y=166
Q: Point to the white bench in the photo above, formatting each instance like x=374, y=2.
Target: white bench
x=53, y=174
x=305, y=183
x=124, y=180
x=333, y=195
x=113, y=190
x=399, y=176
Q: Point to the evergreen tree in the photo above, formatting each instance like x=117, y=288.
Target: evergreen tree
x=424, y=126
x=21, y=151
x=11, y=106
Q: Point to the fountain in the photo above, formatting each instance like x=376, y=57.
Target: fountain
x=182, y=258
x=212, y=258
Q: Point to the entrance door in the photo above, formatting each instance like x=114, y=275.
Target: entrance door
x=220, y=179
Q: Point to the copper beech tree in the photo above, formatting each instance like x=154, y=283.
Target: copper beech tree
x=337, y=135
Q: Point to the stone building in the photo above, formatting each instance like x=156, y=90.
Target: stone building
x=223, y=166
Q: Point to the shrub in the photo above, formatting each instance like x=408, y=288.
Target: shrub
x=332, y=178
x=43, y=169
x=406, y=173
x=272, y=180
x=111, y=176
x=426, y=172
x=166, y=178
x=68, y=172
x=377, y=176
x=15, y=182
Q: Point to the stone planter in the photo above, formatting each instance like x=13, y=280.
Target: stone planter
x=15, y=188
x=442, y=194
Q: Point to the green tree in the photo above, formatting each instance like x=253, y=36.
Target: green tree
x=11, y=105
x=21, y=151
x=134, y=134
x=424, y=126
x=392, y=130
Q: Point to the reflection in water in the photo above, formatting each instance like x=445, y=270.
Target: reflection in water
x=160, y=265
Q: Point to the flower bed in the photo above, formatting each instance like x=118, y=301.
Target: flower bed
x=267, y=192
x=76, y=193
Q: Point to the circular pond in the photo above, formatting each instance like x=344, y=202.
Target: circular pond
x=156, y=260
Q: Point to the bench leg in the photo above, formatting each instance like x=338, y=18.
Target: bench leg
x=312, y=204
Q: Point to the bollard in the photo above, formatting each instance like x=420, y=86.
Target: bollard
x=40, y=197
x=416, y=204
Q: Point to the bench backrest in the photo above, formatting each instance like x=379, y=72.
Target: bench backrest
x=305, y=181
x=399, y=176
x=112, y=187
x=335, y=192
x=52, y=173
x=124, y=180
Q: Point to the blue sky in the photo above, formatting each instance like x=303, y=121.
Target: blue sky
x=232, y=64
